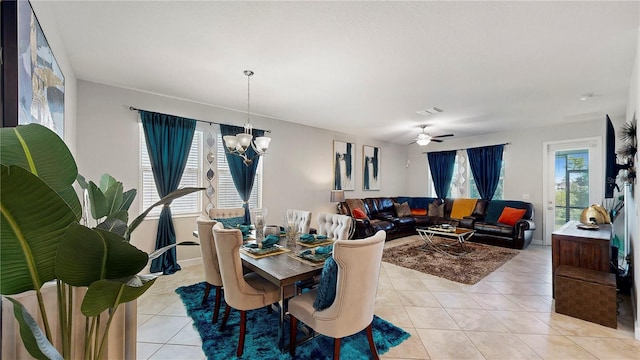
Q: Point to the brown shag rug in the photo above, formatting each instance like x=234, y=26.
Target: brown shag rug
x=469, y=266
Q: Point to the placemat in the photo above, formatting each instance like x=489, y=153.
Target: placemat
x=311, y=263
x=280, y=250
x=315, y=243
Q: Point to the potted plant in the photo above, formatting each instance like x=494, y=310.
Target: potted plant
x=45, y=237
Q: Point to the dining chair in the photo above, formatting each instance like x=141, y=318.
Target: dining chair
x=210, y=261
x=241, y=292
x=358, y=263
x=216, y=213
x=302, y=219
x=335, y=226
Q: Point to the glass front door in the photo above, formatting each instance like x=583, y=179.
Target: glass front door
x=571, y=185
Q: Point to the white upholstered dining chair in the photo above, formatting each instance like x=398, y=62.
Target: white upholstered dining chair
x=335, y=226
x=357, y=283
x=241, y=292
x=302, y=219
x=210, y=261
x=225, y=213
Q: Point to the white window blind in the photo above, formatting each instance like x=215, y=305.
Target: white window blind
x=189, y=204
x=227, y=194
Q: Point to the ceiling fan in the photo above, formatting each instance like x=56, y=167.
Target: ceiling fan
x=424, y=139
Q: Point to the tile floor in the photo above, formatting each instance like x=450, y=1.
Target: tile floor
x=507, y=315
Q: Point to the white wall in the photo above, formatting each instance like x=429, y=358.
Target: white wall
x=297, y=169
x=631, y=205
x=523, y=159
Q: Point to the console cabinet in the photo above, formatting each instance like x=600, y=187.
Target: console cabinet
x=588, y=249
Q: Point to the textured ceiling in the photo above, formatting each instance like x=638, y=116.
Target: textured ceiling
x=366, y=67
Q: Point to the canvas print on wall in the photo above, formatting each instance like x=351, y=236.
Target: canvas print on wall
x=40, y=80
x=343, y=165
x=371, y=165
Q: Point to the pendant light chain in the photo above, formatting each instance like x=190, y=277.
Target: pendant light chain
x=249, y=129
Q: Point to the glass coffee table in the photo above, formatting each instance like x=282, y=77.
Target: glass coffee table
x=461, y=235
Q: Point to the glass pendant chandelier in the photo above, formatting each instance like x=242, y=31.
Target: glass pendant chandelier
x=239, y=143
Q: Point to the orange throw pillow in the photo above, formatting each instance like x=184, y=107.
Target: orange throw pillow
x=510, y=216
x=359, y=214
x=418, y=212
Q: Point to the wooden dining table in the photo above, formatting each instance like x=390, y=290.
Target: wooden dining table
x=284, y=271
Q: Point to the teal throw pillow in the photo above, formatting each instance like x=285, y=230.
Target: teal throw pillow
x=327, y=287
x=232, y=222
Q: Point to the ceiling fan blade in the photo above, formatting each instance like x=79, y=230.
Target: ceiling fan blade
x=440, y=136
x=413, y=142
x=436, y=140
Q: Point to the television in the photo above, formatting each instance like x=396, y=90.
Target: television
x=611, y=163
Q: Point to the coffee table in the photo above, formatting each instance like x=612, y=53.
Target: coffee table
x=460, y=234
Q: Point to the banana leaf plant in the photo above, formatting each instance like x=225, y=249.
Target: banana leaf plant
x=45, y=238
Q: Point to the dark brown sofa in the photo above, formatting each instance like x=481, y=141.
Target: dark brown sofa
x=382, y=215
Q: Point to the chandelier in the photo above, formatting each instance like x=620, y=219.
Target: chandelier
x=239, y=144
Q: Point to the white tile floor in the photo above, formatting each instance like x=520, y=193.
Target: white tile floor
x=507, y=315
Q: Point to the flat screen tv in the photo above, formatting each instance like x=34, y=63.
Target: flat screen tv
x=611, y=164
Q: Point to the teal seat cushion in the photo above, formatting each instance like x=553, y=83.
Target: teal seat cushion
x=232, y=222
x=327, y=287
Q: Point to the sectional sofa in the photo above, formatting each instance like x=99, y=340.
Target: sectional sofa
x=389, y=214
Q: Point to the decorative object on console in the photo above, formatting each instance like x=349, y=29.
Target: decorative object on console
x=238, y=144
x=371, y=168
x=629, y=149
x=343, y=165
x=595, y=215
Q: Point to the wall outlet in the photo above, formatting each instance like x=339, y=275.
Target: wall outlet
x=525, y=196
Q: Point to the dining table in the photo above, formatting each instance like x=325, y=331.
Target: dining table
x=283, y=269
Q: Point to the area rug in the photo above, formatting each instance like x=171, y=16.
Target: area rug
x=261, y=339
x=478, y=260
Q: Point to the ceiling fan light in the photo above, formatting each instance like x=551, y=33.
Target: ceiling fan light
x=423, y=141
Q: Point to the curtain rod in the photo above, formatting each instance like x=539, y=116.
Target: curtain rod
x=508, y=143
x=131, y=108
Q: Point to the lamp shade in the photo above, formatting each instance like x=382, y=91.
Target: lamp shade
x=337, y=195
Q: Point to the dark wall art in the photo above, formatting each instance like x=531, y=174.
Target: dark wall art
x=343, y=165
x=371, y=168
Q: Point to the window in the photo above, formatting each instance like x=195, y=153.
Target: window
x=227, y=194
x=189, y=204
x=462, y=183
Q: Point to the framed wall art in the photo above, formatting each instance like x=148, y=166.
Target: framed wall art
x=32, y=82
x=371, y=167
x=343, y=165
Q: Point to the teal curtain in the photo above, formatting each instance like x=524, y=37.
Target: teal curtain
x=485, y=163
x=168, y=142
x=242, y=175
x=441, y=166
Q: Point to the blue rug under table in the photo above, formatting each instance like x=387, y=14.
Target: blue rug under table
x=261, y=339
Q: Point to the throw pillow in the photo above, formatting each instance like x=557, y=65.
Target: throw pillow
x=327, y=287
x=232, y=222
x=359, y=214
x=403, y=209
x=510, y=216
x=418, y=212
x=436, y=208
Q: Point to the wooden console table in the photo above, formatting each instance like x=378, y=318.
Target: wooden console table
x=589, y=249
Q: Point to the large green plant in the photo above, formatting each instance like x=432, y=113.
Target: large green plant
x=44, y=237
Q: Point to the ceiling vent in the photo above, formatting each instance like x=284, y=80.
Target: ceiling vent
x=429, y=111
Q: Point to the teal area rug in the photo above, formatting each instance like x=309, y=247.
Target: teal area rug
x=261, y=340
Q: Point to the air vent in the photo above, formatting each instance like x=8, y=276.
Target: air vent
x=429, y=111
